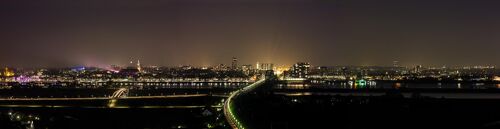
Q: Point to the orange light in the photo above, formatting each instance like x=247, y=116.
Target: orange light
x=8, y=73
x=496, y=78
x=397, y=85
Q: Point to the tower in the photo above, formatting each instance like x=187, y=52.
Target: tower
x=139, y=66
x=417, y=69
x=234, y=64
x=300, y=70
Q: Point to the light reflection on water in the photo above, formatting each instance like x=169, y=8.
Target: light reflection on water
x=386, y=85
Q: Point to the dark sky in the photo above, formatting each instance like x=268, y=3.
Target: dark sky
x=207, y=32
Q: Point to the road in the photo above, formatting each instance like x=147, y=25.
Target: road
x=32, y=102
x=64, y=106
x=229, y=110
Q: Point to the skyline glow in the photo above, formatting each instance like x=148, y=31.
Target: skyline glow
x=201, y=33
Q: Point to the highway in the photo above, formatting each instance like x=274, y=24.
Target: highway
x=112, y=102
x=121, y=93
x=64, y=106
x=229, y=111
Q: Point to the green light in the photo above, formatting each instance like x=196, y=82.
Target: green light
x=361, y=83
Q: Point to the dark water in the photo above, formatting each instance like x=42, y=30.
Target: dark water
x=389, y=110
x=389, y=85
x=348, y=112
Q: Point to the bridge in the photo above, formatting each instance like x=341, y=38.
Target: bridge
x=122, y=92
x=229, y=111
x=116, y=98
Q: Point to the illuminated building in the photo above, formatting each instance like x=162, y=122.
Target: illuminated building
x=361, y=83
x=8, y=73
x=246, y=69
x=417, y=69
x=139, y=68
x=496, y=78
x=300, y=70
x=257, y=66
x=266, y=66
x=234, y=64
x=281, y=69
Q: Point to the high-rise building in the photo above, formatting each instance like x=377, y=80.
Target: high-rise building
x=246, y=69
x=266, y=66
x=300, y=70
x=417, y=69
x=139, y=68
x=234, y=64
x=395, y=63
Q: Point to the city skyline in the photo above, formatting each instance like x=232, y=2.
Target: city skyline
x=249, y=64
x=235, y=63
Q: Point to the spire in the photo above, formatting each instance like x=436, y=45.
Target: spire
x=139, y=66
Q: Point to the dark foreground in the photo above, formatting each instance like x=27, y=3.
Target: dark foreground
x=144, y=113
x=130, y=118
x=265, y=108
x=268, y=111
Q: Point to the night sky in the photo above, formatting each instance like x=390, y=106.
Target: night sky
x=208, y=32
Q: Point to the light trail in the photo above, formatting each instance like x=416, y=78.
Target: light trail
x=228, y=109
x=64, y=106
x=111, y=103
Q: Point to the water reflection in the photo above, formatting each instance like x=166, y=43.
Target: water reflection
x=368, y=84
x=112, y=103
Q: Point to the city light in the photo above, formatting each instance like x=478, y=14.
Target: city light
x=112, y=103
x=249, y=64
x=8, y=72
x=496, y=78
